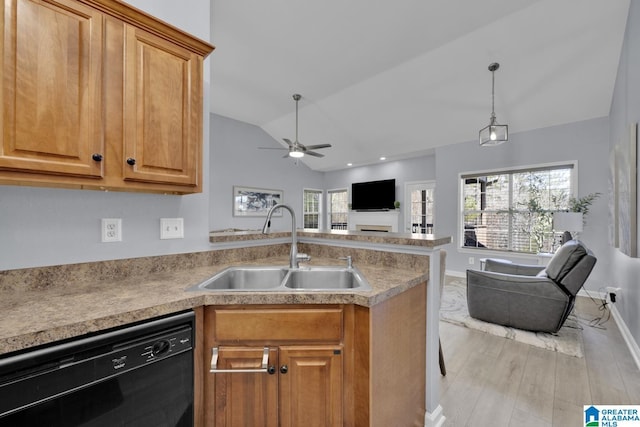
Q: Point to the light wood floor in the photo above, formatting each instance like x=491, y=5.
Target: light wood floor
x=494, y=381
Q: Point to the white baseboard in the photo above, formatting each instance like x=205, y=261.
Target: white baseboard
x=626, y=334
x=460, y=274
x=435, y=418
x=632, y=345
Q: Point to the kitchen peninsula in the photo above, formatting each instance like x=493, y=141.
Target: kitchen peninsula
x=47, y=304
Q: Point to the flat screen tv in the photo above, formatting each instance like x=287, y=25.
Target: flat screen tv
x=373, y=195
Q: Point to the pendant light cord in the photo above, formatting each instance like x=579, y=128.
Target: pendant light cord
x=493, y=85
x=493, y=67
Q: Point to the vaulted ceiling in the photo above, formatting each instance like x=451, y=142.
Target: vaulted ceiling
x=399, y=78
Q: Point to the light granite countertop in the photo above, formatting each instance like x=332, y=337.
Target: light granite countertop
x=47, y=304
x=370, y=237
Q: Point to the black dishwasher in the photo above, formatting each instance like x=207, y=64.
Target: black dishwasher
x=139, y=375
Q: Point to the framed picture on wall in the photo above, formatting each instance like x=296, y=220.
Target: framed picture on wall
x=252, y=201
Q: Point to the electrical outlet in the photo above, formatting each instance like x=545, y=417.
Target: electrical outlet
x=472, y=260
x=111, y=230
x=612, y=293
x=171, y=228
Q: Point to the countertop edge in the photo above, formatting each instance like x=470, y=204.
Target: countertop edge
x=406, y=239
x=65, y=313
x=46, y=304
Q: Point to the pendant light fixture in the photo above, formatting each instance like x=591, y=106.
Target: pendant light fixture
x=494, y=134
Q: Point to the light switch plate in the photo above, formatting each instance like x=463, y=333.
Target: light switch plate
x=171, y=228
x=111, y=230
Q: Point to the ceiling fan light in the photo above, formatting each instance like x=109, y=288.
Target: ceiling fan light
x=296, y=154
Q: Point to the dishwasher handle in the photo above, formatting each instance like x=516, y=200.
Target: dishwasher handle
x=264, y=369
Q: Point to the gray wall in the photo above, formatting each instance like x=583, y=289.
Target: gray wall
x=420, y=168
x=42, y=226
x=625, y=109
x=236, y=160
x=53, y=226
x=586, y=142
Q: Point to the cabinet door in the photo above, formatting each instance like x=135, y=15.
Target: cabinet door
x=311, y=388
x=162, y=111
x=245, y=399
x=51, y=93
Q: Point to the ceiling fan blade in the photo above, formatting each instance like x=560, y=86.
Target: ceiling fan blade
x=318, y=146
x=297, y=148
x=314, y=154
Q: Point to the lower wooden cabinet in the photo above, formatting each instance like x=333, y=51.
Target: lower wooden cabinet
x=311, y=386
x=245, y=398
x=300, y=386
x=294, y=379
x=324, y=365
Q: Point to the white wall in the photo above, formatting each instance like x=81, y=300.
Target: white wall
x=236, y=160
x=42, y=226
x=625, y=109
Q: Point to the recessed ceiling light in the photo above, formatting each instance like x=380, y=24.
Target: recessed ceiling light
x=383, y=158
x=349, y=164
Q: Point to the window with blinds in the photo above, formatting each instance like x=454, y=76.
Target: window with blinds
x=512, y=210
x=312, y=202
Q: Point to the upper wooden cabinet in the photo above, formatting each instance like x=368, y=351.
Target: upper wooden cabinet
x=97, y=94
x=162, y=110
x=52, y=88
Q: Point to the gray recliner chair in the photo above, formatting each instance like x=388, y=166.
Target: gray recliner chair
x=530, y=297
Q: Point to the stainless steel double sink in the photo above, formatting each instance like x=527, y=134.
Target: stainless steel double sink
x=278, y=278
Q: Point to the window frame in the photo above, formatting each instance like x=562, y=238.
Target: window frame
x=329, y=211
x=426, y=185
x=320, y=212
x=573, y=190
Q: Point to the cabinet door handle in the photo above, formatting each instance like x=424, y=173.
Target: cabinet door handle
x=284, y=369
x=265, y=368
x=97, y=157
x=131, y=161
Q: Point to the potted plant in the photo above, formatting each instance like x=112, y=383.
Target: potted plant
x=396, y=204
x=576, y=214
x=582, y=204
x=574, y=218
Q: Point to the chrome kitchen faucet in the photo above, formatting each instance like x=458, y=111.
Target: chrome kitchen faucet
x=294, y=256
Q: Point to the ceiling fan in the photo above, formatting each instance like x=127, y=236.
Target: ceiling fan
x=296, y=149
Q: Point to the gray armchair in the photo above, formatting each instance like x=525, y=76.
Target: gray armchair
x=530, y=297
